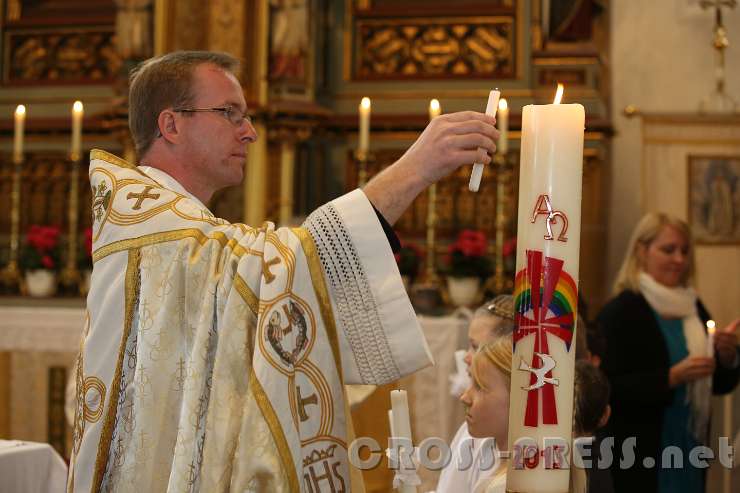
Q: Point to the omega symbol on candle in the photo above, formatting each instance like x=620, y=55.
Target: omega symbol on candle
x=544, y=207
x=547, y=364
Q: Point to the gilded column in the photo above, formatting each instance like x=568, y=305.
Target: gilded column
x=287, y=169
x=255, y=183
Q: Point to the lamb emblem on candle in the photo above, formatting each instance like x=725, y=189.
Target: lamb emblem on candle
x=545, y=298
x=544, y=207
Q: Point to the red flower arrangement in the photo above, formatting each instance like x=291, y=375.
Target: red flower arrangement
x=408, y=259
x=41, y=250
x=467, y=256
x=84, y=254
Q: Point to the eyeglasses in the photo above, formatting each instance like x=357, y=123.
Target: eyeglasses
x=234, y=115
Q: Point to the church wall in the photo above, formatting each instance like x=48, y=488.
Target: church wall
x=666, y=68
x=660, y=67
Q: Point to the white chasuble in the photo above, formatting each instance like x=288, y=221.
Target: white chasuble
x=214, y=355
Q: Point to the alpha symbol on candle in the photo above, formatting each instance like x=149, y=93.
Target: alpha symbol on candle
x=544, y=207
x=547, y=365
x=545, y=298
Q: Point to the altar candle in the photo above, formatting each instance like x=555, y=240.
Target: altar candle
x=477, y=173
x=20, y=123
x=711, y=329
x=364, y=140
x=546, y=294
x=435, y=109
x=77, y=114
x=401, y=424
x=502, y=118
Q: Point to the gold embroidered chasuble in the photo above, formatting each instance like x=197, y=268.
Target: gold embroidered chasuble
x=214, y=354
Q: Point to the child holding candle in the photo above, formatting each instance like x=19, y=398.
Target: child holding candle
x=493, y=319
x=656, y=358
x=487, y=403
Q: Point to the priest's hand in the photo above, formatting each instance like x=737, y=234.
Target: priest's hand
x=725, y=342
x=448, y=142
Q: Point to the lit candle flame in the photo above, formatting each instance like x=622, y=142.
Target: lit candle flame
x=20, y=110
x=711, y=326
x=77, y=107
x=434, y=105
x=365, y=103
x=502, y=104
x=558, y=94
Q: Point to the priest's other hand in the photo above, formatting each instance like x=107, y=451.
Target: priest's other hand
x=448, y=142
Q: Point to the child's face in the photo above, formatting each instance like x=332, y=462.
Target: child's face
x=488, y=405
x=480, y=332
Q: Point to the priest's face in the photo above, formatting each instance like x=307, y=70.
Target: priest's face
x=487, y=403
x=666, y=258
x=215, y=142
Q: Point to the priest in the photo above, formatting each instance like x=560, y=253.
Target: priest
x=214, y=354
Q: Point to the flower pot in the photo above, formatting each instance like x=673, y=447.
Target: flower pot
x=463, y=291
x=41, y=283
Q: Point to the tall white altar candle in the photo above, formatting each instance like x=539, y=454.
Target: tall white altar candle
x=502, y=118
x=401, y=425
x=20, y=122
x=435, y=109
x=364, y=139
x=711, y=328
x=546, y=294
x=77, y=114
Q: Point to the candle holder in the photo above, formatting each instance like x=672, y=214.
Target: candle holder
x=499, y=283
x=11, y=274
x=363, y=158
x=718, y=99
x=70, y=276
x=430, y=272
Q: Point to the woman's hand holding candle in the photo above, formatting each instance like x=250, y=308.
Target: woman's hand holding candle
x=725, y=342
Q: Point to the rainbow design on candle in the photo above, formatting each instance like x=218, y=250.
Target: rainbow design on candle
x=549, y=308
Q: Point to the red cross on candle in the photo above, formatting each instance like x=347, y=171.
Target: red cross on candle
x=546, y=318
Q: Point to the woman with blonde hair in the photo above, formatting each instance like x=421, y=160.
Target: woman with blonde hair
x=656, y=358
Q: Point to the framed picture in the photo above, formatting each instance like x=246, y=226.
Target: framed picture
x=714, y=198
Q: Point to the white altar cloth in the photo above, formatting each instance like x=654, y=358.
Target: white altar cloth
x=30, y=467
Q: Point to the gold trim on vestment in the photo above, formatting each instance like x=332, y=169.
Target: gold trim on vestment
x=322, y=294
x=247, y=294
x=117, y=161
x=110, y=158
x=131, y=287
x=268, y=413
x=177, y=234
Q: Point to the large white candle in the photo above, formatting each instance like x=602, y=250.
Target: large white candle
x=502, y=117
x=77, y=114
x=546, y=294
x=364, y=140
x=20, y=122
x=711, y=328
